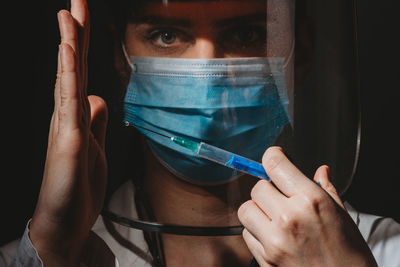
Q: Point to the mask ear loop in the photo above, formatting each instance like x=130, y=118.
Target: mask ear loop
x=289, y=57
x=127, y=58
x=289, y=70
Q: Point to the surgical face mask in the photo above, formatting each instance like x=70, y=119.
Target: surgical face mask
x=239, y=105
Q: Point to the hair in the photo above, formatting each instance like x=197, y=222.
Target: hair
x=121, y=11
x=109, y=81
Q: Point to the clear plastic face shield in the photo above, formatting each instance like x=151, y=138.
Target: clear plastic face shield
x=239, y=76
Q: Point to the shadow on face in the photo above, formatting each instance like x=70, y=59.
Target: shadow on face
x=198, y=30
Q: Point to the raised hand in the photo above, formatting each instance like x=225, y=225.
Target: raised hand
x=294, y=222
x=74, y=180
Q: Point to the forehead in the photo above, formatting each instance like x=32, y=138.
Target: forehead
x=206, y=10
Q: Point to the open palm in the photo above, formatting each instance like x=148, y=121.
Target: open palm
x=74, y=180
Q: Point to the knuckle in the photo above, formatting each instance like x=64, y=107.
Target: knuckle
x=71, y=40
x=276, y=249
x=255, y=247
x=245, y=212
x=258, y=189
x=311, y=202
x=288, y=222
x=247, y=236
x=272, y=158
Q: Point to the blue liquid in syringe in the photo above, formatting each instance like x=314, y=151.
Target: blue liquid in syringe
x=223, y=157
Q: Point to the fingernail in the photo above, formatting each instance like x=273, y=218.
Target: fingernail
x=328, y=170
x=59, y=16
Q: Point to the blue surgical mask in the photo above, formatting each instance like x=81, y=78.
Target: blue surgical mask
x=239, y=105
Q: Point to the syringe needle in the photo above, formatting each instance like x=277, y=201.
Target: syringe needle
x=144, y=128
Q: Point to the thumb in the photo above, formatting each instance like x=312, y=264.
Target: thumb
x=322, y=178
x=99, y=117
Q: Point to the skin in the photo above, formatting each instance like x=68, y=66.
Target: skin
x=198, y=30
x=279, y=224
x=294, y=222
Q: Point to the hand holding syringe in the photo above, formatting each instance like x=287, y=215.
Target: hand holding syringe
x=218, y=155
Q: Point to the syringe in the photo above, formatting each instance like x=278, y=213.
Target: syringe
x=217, y=155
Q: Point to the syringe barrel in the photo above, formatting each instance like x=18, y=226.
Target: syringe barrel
x=232, y=160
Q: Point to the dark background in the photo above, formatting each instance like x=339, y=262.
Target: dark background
x=26, y=109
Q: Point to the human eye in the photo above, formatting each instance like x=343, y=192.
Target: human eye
x=244, y=40
x=168, y=38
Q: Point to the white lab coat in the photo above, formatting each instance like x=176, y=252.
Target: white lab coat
x=111, y=244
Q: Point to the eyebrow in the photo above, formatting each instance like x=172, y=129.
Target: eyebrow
x=187, y=23
x=161, y=20
x=255, y=17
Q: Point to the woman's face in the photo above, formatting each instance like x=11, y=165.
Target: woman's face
x=204, y=29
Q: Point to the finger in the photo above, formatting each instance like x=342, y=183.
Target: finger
x=268, y=198
x=69, y=35
x=58, y=78
x=254, y=220
x=80, y=13
x=286, y=177
x=68, y=30
x=99, y=116
x=57, y=85
x=68, y=112
x=321, y=176
x=54, y=118
x=256, y=248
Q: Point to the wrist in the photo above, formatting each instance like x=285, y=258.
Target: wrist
x=55, y=246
